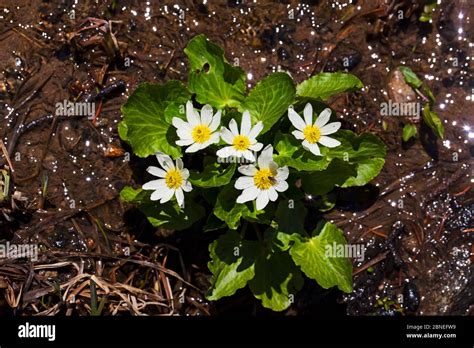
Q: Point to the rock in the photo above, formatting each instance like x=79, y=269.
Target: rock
x=398, y=90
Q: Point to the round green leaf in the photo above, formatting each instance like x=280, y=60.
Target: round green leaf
x=144, y=125
x=310, y=254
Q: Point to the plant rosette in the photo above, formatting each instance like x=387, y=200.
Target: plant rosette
x=240, y=161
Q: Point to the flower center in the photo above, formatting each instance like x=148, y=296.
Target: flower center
x=264, y=179
x=174, y=179
x=312, y=134
x=241, y=143
x=201, y=133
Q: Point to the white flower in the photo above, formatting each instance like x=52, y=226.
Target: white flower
x=263, y=183
x=199, y=131
x=243, y=142
x=173, y=180
x=314, y=133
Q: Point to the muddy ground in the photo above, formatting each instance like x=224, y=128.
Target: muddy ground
x=415, y=218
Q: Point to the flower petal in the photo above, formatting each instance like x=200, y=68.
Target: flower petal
x=227, y=135
x=249, y=194
x=206, y=115
x=191, y=115
x=249, y=170
x=184, y=134
x=262, y=200
x=281, y=186
x=184, y=142
x=298, y=134
x=329, y=142
x=330, y=128
x=179, y=197
x=265, y=157
x=272, y=194
x=308, y=114
x=248, y=155
x=282, y=173
x=181, y=124
x=185, y=173
x=193, y=148
x=157, y=195
x=156, y=171
x=168, y=194
x=323, y=118
x=233, y=127
x=226, y=152
x=158, y=184
x=245, y=126
x=256, y=130
x=165, y=161
x=296, y=119
x=256, y=147
x=179, y=163
x=314, y=148
x=273, y=167
x=216, y=121
x=214, y=139
x=244, y=182
x=187, y=187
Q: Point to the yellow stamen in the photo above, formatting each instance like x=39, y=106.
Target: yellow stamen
x=264, y=179
x=241, y=143
x=312, y=134
x=174, y=179
x=201, y=133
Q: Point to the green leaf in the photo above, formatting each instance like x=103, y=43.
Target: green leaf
x=213, y=175
x=175, y=109
x=291, y=153
x=168, y=215
x=131, y=195
x=276, y=281
x=428, y=9
x=324, y=85
x=325, y=202
x=430, y=94
x=213, y=223
x=290, y=216
x=312, y=255
x=409, y=131
x=433, y=121
x=144, y=126
x=336, y=174
x=232, y=264
x=410, y=77
x=425, y=17
x=269, y=100
x=214, y=81
x=231, y=212
x=367, y=151
x=122, y=130
x=283, y=240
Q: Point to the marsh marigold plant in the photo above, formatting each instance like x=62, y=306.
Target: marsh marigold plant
x=240, y=163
